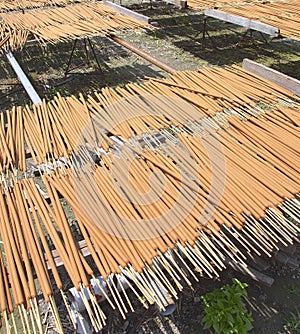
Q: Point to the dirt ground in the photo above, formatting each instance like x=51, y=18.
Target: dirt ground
x=177, y=41
x=272, y=307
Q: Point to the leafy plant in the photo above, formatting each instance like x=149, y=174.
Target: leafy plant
x=225, y=310
x=294, y=289
x=293, y=323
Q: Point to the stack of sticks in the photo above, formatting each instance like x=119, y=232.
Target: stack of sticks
x=165, y=180
x=54, y=129
x=191, y=220
x=284, y=15
x=10, y=38
x=9, y=5
x=203, y=4
x=63, y=23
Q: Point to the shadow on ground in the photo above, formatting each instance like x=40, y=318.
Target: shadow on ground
x=225, y=43
x=177, y=41
x=46, y=70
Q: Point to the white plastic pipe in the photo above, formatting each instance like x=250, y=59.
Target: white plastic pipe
x=78, y=304
x=23, y=78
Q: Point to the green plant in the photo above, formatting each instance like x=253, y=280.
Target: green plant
x=294, y=289
x=293, y=323
x=225, y=310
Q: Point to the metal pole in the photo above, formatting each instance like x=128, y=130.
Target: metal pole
x=94, y=53
x=143, y=54
x=23, y=78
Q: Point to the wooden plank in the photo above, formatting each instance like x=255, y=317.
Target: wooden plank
x=243, y=21
x=82, y=246
x=182, y=4
x=287, y=260
x=126, y=11
x=279, y=78
x=251, y=272
x=257, y=262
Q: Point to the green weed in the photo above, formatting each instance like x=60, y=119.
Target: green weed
x=292, y=324
x=225, y=310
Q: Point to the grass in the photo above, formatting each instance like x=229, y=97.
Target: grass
x=295, y=289
x=292, y=324
x=177, y=41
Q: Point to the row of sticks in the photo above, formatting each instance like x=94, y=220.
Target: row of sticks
x=9, y=5
x=64, y=23
x=203, y=4
x=284, y=15
x=55, y=129
x=9, y=39
x=152, y=214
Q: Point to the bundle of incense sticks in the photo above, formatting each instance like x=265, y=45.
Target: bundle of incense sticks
x=9, y=5
x=163, y=213
x=202, y=4
x=63, y=23
x=284, y=15
x=9, y=39
x=54, y=129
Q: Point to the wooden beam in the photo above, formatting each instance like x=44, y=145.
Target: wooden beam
x=182, y=4
x=242, y=21
x=126, y=11
x=287, y=260
x=82, y=246
x=251, y=272
x=142, y=54
x=279, y=78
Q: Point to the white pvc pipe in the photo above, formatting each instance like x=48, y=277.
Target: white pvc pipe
x=83, y=326
x=78, y=304
x=23, y=78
